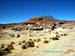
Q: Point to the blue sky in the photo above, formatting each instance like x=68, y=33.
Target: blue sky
x=14, y=11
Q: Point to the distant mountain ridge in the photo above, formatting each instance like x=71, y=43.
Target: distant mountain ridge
x=48, y=18
x=41, y=19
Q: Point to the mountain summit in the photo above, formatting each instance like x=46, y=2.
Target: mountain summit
x=48, y=18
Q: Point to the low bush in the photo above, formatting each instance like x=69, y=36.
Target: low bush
x=37, y=46
x=18, y=35
x=12, y=42
x=2, y=46
x=45, y=41
x=65, y=34
x=62, y=34
x=5, y=51
x=20, y=43
x=38, y=40
x=55, y=38
x=30, y=43
x=45, y=38
x=34, y=40
x=12, y=35
x=0, y=37
x=10, y=47
x=24, y=47
x=23, y=41
x=57, y=33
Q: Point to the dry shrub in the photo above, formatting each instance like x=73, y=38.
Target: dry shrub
x=57, y=33
x=23, y=41
x=2, y=45
x=10, y=47
x=45, y=38
x=55, y=38
x=30, y=43
x=5, y=51
x=12, y=43
x=34, y=40
x=20, y=43
x=18, y=35
x=65, y=34
x=12, y=35
x=45, y=41
x=37, y=46
x=62, y=34
x=0, y=37
x=38, y=40
x=24, y=47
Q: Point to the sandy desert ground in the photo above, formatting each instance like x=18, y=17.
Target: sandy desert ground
x=46, y=42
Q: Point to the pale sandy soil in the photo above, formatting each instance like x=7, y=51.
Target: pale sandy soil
x=65, y=46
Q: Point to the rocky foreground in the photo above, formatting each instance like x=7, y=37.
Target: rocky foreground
x=38, y=37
